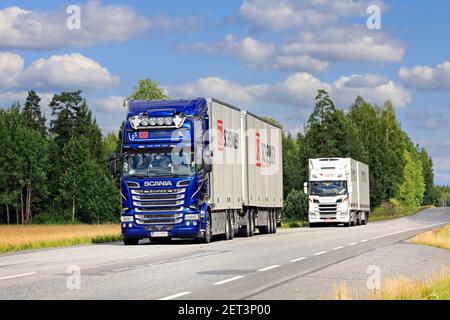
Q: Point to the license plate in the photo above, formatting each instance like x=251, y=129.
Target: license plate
x=160, y=234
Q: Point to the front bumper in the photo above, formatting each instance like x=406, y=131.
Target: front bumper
x=183, y=229
x=339, y=217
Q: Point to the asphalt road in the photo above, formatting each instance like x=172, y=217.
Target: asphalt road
x=291, y=264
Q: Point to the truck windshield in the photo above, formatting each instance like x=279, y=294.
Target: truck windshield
x=328, y=188
x=159, y=163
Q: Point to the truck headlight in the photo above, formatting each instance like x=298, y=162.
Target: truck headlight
x=126, y=218
x=192, y=216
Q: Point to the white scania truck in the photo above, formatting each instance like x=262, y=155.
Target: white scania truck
x=338, y=192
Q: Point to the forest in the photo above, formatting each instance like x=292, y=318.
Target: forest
x=55, y=170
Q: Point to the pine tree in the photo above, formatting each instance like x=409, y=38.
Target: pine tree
x=33, y=113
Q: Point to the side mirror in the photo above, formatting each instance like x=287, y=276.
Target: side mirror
x=305, y=187
x=113, y=158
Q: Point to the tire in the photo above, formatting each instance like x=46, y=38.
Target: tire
x=366, y=219
x=252, y=223
x=227, y=235
x=231, y=226
x=131, y=242
x=207, y=237
x=274, y=222
x=247, y=232
x=270, y=226
x=266, y=229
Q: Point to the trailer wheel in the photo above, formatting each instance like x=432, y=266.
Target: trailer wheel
x=131, y=242
x=267, y=228
x=231, y=225
x=252, y=223
x=228, y=231
x=247, y=232
x=274, y=221
x=365, y=220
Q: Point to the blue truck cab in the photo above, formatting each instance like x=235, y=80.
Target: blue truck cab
x=163, y=174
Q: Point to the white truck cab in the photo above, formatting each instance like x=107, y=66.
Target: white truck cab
x=338, y=192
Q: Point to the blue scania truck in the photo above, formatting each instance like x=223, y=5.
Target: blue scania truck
x=198, y=168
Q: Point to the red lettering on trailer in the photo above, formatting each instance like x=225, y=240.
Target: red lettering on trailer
x=220, y=139
x=258, y=149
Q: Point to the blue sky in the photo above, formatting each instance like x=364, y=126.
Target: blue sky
x=268, y=56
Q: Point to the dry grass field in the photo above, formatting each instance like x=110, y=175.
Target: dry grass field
x=436, y=238
x=14, y=238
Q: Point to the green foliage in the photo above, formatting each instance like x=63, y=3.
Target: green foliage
x=147, y=89
x=296, y=205
x=59, y=177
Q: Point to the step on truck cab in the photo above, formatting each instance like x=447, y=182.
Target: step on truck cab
x=338, y=192
x=196, y=169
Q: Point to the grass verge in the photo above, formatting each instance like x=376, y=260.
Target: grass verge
x=294, y=224
x=26, y=237
x=434, y=287
x=439, y=238
x=394, y=209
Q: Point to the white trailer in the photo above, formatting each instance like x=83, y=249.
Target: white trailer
x=246, y=176
x=338, y=192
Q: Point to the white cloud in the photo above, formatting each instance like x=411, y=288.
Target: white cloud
x=112, y=104
x=427, y=78
x=219, y=88
x=249, y=50
x=11, y=66
x=302, y=62
x=38, y=29
x=70, y=71
x=426, y=120
x=374, y=88
x=298, y=90
x=280, y=15
x=346, y=44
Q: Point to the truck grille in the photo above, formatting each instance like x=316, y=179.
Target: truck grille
x=328, y=209
x=159, y=218
x=158, y=206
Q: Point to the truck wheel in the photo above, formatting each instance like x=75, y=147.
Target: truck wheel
x=131, y=242
x=247, y=231
x=231, y=226
x=208, y=235
x=366, y=218
x=274, y=222
x=266, y=229
x=252, y=223
x=227, y=235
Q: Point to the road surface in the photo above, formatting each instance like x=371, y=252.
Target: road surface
x=291, y=264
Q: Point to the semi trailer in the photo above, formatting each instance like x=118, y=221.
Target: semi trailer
x=338, y=192
x=197, y=168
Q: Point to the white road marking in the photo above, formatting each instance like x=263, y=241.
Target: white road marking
x=365, y=240
x=268, y=268
x=227, y=280
x=338, y=248
x=137, y=257
x=319, y=253
x=352, y=244
x=298, y=259
x=181, y=294
x=17, y=275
